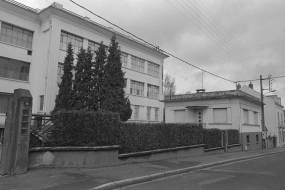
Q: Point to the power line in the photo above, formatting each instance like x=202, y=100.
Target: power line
x=231, y=51
x=262, y=79
x=150, y=43
x=219, y=24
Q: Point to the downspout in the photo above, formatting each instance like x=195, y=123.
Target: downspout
x=240, y=127
x=48, y=67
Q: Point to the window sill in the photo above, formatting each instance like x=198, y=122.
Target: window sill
x=16, y=46
x=251, y=124
x=220, y=123
x=140, y=72
x=14, y=80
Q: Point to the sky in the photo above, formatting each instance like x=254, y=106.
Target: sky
x=234, y=39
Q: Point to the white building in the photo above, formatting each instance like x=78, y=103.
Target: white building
x=33, y=47
x=232, y=109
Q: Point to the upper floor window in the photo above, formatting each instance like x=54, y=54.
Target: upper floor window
x=152, y=91
x=220, y=115
x=153, y=69
x=66, y=38
x=14, y=69
x=137, y=88
x=17, y=36
x=255, y=118
x=93, y=45
x=137, y=64
x=59, y=72
x=124, y=59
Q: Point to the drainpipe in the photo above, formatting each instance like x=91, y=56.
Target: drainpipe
x=48, y=67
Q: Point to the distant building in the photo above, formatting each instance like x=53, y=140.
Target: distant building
x=33, y=47
x=232, y=109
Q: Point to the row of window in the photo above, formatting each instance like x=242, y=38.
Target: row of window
x=137, y=88
x=16, y=36
x=14, y=69
x=136, y=113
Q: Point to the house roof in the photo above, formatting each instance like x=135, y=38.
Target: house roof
x=212, y=95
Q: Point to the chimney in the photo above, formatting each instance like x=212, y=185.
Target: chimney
x=38, y=10
x=57, y=5
x=201, y=90
x=250, y=85
x=238, y=86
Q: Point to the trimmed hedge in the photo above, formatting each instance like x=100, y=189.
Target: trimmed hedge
x=86, y=128
x=233, y=136
x=136, y=137
x=212, y=138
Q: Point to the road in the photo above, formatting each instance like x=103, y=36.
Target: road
x=256, y=174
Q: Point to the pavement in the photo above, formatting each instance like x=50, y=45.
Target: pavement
x=120, y=176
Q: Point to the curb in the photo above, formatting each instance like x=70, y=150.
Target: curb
x=127, y=182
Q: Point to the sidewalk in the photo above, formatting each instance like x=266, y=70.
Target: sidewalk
x=83, y=178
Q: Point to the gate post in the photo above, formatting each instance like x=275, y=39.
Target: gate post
x=17, y=133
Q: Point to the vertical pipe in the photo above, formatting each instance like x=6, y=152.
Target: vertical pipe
x=262, y=114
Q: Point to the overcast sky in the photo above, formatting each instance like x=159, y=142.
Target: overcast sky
x=234, y=39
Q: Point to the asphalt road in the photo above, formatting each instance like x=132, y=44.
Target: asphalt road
x=256, y=174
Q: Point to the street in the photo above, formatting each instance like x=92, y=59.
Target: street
x=263, y=173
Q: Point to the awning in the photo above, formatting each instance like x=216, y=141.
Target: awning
x=197, y=107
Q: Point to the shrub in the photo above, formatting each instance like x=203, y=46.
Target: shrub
x=136, y=137
x=212, y=138
x=85, y=128
x=233, y=136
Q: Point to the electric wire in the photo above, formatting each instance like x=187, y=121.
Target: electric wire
x=150, y=43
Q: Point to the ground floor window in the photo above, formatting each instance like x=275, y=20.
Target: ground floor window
x=4, y=98
x=179, y=116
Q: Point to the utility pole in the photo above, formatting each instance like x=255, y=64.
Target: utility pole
x=262, y=116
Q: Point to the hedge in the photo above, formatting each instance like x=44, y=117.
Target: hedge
x=85, y=128
x=233, y=136
x=212, y=138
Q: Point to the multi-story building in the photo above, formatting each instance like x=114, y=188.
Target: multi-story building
x=33, y=47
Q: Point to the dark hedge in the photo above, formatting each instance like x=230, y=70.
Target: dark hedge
x=212, y=138
x=86, y=128
x=233, y=136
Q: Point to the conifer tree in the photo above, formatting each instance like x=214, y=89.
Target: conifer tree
x=97, y=96
x=64, y=97
x=114, y=83
x=82, y=80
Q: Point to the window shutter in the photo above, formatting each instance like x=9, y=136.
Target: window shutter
x=220, y=115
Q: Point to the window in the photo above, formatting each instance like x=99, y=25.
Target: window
x=257, y=139
x=59, y=73
x=124, y=59
x=137, y=88
x=152, y=91
x=41, y=103
x=179, y=116
x=255, y=118
x=17, y=36
x=245, y=117
x=247, y=139
x=136, y=112
x=137, y=64
x=4, y=98
x=93, y=45
x=66, y=38
x=153, y=69
x=220, y=115
x=148, y=113
x=14, y=69
x=156, y=114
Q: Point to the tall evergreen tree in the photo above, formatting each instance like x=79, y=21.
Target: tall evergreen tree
x=64, y=97
x=82, y=80
x=98, y=69
x=114, y=83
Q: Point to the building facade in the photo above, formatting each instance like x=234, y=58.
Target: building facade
x=33, y=47
x=231, y=109
x=273, y=117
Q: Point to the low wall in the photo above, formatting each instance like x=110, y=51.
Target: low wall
x=95, y=157
x=235, y=148
x=218, y=150
x=88, y=157
x=162, y=154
